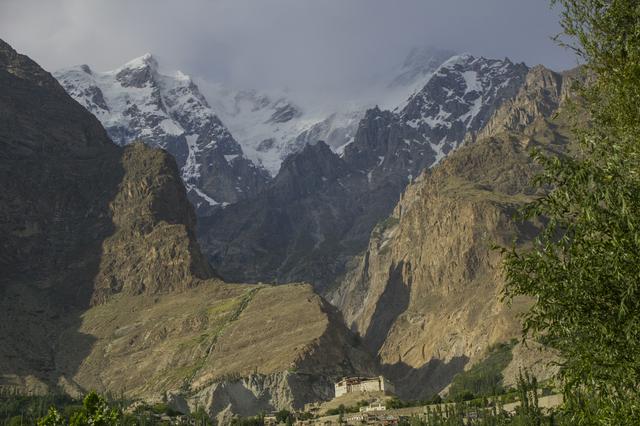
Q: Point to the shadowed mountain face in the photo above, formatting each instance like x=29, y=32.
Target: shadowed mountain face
x=103, y=284
x=70, y=200
x=319, y=210
x=56, y=162
x=59, y=170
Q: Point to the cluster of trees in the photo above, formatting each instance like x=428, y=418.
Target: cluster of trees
x=490, y=411
x=584, y=269
x=395, y=403
x=282, y=417
x=94, y=409
x=17, y=409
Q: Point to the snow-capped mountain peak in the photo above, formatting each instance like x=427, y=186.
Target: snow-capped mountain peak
x=266, y=124
x=461, y=96
x=138, y=102
x=137, y=72
x=435, y=97
x=143, y=61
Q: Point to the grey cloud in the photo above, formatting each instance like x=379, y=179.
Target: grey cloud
x=328, y=46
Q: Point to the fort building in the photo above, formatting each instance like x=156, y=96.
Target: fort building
x=363, y=384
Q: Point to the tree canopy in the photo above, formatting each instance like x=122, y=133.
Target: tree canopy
x=583, y=271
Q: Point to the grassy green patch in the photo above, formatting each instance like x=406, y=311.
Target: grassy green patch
x=224, y=307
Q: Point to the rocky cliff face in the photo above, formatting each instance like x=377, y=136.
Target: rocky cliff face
x=152, y=249
x=541, y=95
x=425, y=295
x=311, y=220
x=291, y=230
x=104, y=287
x=136, y=102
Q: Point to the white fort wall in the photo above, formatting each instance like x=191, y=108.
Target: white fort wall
x=363, y=384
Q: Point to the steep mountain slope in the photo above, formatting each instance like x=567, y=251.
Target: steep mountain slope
x=104, y=287
x=137, y=102
x=425, y=295
x=324, y=206
x=541, y=95
x=461, y=97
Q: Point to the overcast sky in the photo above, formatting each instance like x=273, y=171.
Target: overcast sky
x=316, y=45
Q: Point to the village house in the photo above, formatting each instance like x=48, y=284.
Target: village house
x=375, y=406
x=363, y=384
x=270, y=419
x=372, y=419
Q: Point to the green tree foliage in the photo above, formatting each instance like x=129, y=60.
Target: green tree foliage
x=528, y=393
x=21, y=409
x=284, y=416
x=584, y=269
x=201, y=418
x=96, y=412
x=489, y=413
x=248, y=421
x=484, y=378
x=53, y=418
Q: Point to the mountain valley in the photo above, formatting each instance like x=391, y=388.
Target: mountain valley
x=138, y=270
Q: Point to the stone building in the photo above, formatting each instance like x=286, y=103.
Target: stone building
x=363, y=384
x=374, y=406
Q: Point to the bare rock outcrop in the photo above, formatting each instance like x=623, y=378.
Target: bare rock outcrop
x=543, y=92
x=153, y=248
